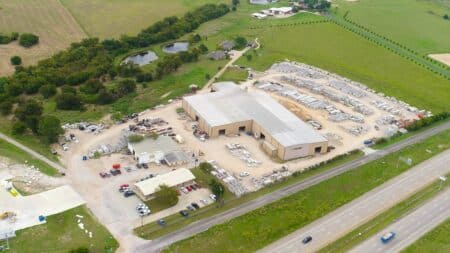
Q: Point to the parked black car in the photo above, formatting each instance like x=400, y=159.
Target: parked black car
x=184, y=213
x=115, y=172
x=195, y=205
x=128, y=193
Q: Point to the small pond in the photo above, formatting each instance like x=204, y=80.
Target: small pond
x=176, y=47
x=262, y=1
x=142, y=58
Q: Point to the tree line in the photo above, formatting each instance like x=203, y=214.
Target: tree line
x=85, y=74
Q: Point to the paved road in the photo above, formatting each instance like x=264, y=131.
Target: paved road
x=411, y=227
x=352, y=215
x=33, y=153
x=204, y=224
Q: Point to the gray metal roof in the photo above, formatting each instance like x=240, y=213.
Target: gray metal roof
x=231, y=104
x=149, y=145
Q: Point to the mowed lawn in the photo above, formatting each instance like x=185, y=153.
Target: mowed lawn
x=330, y=47
x=417, y=24
x=61, y=234
x=262, y=226
x=48, y=19
x=112, y=18
x=436, y=241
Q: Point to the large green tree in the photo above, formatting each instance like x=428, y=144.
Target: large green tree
x=166, y=195
x=50, y=128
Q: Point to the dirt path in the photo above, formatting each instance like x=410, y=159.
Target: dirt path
x=33, y=153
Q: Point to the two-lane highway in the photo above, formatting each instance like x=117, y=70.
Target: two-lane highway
x=411, y=227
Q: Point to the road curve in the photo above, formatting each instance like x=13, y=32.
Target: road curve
x=352, y=215
x=204, y=224
x=33, y=153
x=411, y=227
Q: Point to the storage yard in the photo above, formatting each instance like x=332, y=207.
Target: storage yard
x=179, y=136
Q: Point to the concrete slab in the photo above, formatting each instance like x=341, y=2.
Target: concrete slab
x=29, y=208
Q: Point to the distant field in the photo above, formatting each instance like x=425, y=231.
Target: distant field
x=46, y=18
x=112, y=18
x=418, y=24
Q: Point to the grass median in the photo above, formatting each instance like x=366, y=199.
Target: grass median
x=175, y=222
x=265, y=225
x=350, y=240
x=61, y=233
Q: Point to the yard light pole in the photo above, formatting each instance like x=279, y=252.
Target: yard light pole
x=442, y=179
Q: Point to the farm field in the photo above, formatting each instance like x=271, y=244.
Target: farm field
x=48, y=19
x=436, y=241
x=262, y=226
x=62, y=234
x=417, y=24
x=112, y=18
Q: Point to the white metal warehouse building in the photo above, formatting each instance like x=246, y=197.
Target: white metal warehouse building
x=180, y=177
x=230, y=110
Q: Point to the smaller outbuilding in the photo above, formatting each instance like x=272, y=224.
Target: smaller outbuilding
x=227, y=45
x=152, y=150
x=146, y=189
x=217, y=55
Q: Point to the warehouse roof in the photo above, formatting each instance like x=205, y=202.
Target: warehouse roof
x=173, y=178
x=231, y=104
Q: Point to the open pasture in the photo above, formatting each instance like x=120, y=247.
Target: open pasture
x=417, y=24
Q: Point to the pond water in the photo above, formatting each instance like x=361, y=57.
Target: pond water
x=262, y=1
x=176, y=47
x=142, y=58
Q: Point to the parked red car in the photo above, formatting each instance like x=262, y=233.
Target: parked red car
x=189, y=188
x=116, y=166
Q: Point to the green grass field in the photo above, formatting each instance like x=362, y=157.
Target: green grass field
x=436, y=241
x=60, y=234
x=260, y=227
x=418, y=24
x=112, y=18
x=17, y=155
x=234, y=74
